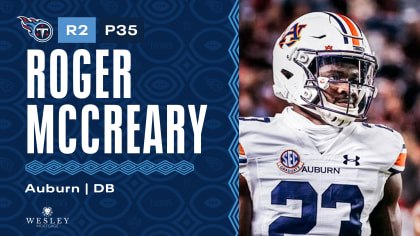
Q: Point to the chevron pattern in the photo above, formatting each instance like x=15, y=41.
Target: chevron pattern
x=109, y=167
x=234, y=115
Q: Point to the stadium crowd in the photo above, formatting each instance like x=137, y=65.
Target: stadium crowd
x=393, y=30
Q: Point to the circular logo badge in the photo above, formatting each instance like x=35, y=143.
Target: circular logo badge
x=43, y=32
x=290, y=162
x=38, y=29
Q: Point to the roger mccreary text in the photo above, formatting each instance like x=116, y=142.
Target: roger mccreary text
x=41, y=119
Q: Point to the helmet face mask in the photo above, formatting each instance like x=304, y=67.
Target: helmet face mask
x=353, y=75
x=323, y=73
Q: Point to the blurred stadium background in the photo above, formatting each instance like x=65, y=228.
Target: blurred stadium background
x=393, y=30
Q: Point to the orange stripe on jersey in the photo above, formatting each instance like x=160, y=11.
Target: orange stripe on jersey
x=241, y=150
x=353, y=29
x=401, y=159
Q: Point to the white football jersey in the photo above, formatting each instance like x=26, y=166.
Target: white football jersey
x=296, y=190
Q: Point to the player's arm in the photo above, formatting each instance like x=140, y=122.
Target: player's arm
x=245, y=207
x=386, y=217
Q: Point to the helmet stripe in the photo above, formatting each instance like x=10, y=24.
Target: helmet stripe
x=341, y=26
x=352, y=28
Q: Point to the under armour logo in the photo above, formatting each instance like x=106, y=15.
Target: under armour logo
x=346, y=160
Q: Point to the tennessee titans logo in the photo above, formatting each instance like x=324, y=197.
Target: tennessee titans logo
x=290, y=162
x=38, y=29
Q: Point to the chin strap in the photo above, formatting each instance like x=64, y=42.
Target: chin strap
x=331, y=118
x=334, y=118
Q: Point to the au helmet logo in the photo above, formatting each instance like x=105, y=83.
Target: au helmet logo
x=38, y=29
x=290, y=162
x=294, y=32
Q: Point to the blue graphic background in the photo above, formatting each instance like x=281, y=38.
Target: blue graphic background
x=189, y=55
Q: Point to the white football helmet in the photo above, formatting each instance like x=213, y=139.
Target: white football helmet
x=312, y=41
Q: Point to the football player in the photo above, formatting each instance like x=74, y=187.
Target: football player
x=317, y=168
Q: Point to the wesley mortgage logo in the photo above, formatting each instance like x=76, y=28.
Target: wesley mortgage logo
x=47, y=221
